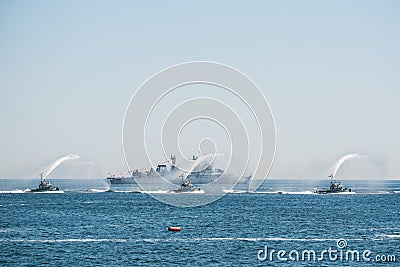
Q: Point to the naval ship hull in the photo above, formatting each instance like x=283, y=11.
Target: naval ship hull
x=133, y=181
x=121, y=181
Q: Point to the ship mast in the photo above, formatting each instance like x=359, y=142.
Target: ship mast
x=173, y=161
x=332, y=177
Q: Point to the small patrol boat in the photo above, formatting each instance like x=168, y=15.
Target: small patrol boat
x=335, y=187
x=45, y=186
x=186, y=187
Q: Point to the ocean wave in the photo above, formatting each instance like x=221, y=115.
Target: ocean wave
x=14, y=204
x=384, y=228
x=247, y=239
x=388, y=236
x=193, y=239
x=79, y=240
x=19, y=191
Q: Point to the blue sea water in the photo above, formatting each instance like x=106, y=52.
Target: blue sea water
x=126, y=228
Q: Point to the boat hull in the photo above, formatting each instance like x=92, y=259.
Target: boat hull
x=45, y=192
x=329, y=191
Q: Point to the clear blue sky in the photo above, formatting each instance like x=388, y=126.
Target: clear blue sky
x=329, y=69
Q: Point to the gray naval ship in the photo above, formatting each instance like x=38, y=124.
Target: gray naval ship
x=146, y=176
x=172, y=174
x=335, y=187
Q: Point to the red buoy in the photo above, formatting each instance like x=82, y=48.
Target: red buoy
x=174, y=228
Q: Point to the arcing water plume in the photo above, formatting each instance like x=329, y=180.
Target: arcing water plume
x=201, y=163
x=342, y=160
x=56, y=163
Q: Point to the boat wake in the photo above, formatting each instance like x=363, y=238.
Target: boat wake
x=46, y=192
x=201, y=191
x=172, y=192
x=388, y=236
x=15, y=191
x=233, y=191
x=346, y=193
x=95, y=190
x=156, y=192
x=19, y=191
x=125, y=191
x=285, y=192
x=189, y=192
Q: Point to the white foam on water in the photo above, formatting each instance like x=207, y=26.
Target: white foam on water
x=88, y=202
x=157, y=192
x=94, y=190
x=285, y=192
x=15, y=191
x=48, y=192
x=211, y=239
x=233, y=191
x=264, y=192
x=194, y=192
x=343, y=193
x=383, y=192
x=126, y=191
